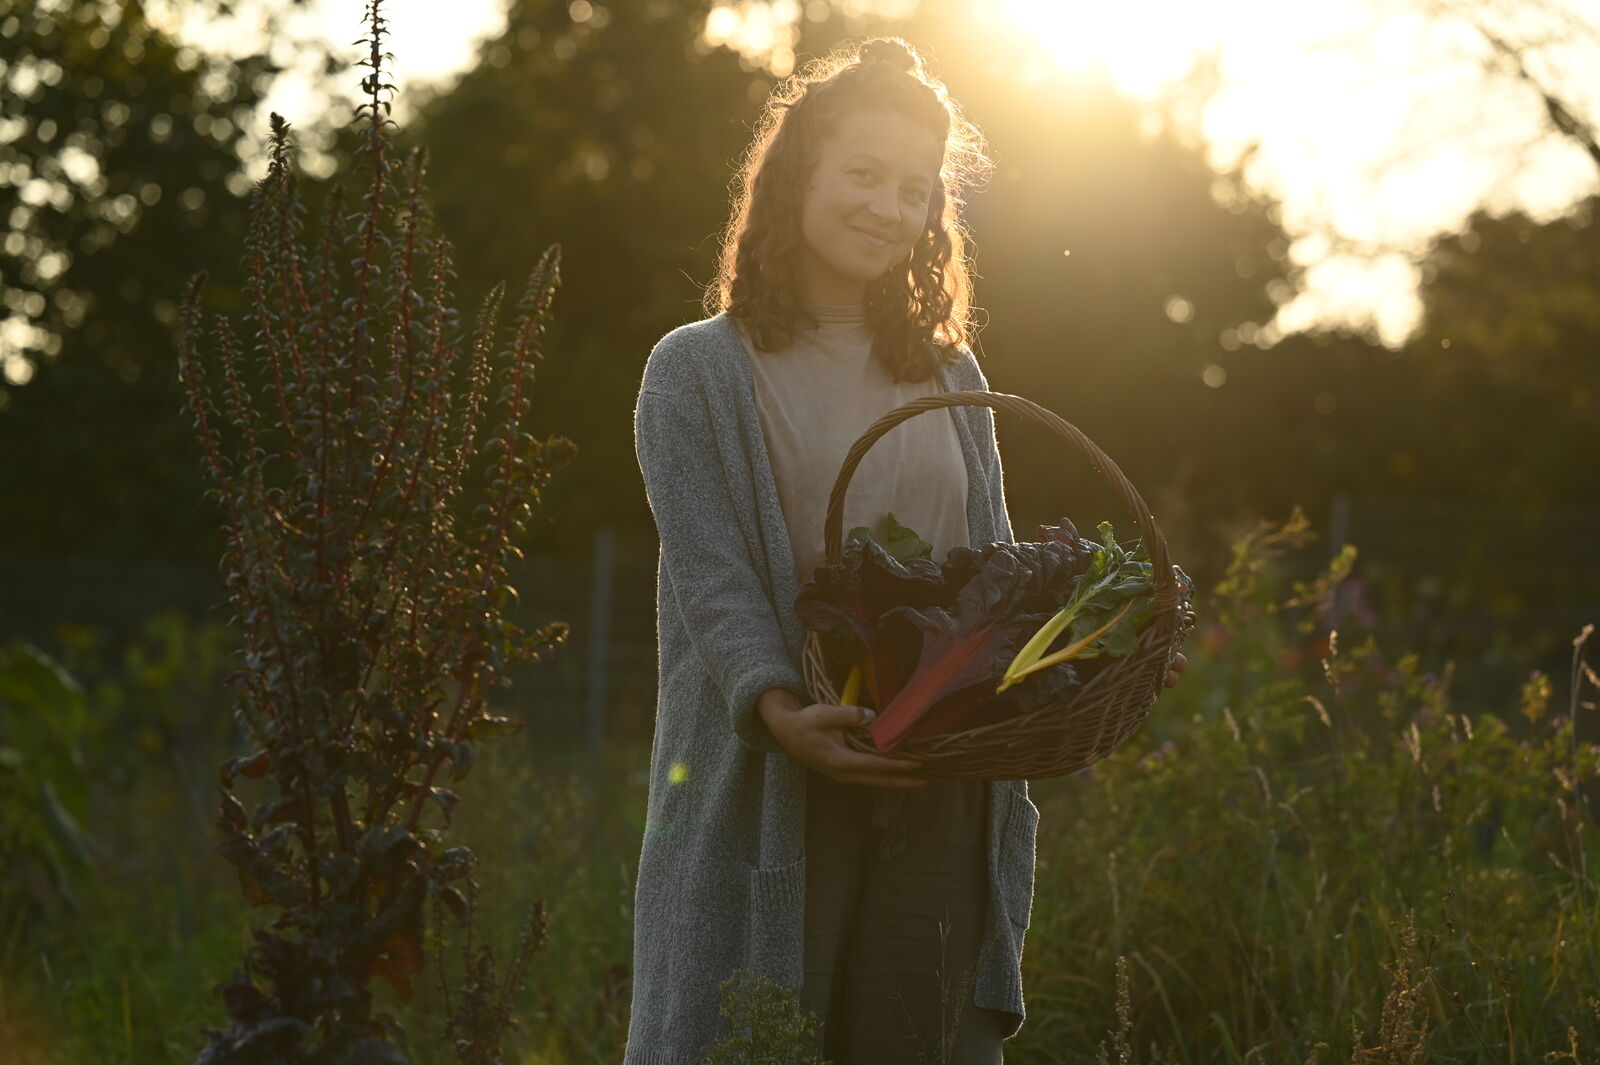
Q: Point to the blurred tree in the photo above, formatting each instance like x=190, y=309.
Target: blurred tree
x=1116, y=269
x=1525, y=39
x=118, y=179
x=619, y=136
x=1466, y=456
x=1126, y=284
x=613, y=130
x=1511, y=346
x=1118, y=272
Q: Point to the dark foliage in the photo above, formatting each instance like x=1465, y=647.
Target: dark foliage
x=43, y=789
x=614, y=134
x=371, y=597
x=117, y=182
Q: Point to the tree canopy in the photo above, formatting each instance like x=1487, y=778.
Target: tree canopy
x=1124, y=283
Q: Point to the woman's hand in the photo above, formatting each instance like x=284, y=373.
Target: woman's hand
x=1179, y=664
x=815, y=735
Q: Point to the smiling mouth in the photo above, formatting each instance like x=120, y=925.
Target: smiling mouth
x=878, y=242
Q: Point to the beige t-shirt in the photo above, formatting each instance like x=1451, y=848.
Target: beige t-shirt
x=814, y=399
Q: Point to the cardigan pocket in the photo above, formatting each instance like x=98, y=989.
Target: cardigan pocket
x=1017, y=856
x=776, y=932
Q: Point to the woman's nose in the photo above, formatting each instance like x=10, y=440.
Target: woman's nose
x=885, y=205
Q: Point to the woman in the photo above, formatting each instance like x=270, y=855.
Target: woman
x=894, y=907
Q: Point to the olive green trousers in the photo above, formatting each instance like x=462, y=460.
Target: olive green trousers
x=891, y=943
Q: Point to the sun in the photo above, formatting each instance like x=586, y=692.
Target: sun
x=1140, y=46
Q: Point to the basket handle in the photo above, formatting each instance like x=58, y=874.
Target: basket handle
x=1165, y=581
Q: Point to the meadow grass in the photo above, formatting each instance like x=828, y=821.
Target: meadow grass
x=1328, y=854
x=1314, y=851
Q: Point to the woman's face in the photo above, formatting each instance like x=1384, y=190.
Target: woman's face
x=866, y=204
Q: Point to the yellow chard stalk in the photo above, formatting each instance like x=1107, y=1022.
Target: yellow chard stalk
x=1028, y=660
x=852, y=687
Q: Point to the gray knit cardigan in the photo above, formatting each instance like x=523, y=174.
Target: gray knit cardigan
x=721, y=880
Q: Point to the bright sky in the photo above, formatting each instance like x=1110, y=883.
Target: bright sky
x=1375, y=126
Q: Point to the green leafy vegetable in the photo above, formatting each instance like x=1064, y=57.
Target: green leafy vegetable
x=900, y=541
x=968, y=644
x=1108, y=608
x=1005, y=629
x=849, y=599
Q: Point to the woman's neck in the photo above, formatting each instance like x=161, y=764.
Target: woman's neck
x=837, y=312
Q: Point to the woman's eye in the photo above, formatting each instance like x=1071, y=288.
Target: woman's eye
x=864, y=173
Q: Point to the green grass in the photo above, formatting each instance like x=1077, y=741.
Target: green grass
x=1326, y=856
x=1276, y=882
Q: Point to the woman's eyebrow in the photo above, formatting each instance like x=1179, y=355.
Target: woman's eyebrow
x=879, y=163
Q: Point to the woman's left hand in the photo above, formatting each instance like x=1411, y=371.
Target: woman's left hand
x=1179, y=664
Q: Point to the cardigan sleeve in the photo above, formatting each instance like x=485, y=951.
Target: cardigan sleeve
x=989, y=453
x=713, y=579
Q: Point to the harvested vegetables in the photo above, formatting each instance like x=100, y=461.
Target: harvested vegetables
x=995, y=631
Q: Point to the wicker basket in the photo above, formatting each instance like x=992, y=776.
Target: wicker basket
x=1054, y=740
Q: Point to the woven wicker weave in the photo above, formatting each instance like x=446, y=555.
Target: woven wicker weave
x=1054, y=740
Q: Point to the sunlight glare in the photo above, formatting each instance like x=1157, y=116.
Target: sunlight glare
x=423, y=50
x=1140, y=46
x=766, y=33
x=1383, y=125
x=1357, y=117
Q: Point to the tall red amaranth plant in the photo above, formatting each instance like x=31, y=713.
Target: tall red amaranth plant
x=371, y=596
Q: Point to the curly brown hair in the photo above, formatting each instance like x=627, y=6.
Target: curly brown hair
x=919, y=313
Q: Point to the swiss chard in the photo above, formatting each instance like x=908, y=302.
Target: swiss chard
x=899, y=541
x=928, y=643
x=850, y=598
x=967, y=645
x=1105, y=613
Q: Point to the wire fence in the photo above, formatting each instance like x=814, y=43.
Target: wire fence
x=597, y=682
x=1495, y=592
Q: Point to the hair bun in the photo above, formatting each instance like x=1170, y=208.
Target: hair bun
x=891, y=50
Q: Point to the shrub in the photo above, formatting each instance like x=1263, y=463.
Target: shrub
x=370, y=594
x=1295, y=855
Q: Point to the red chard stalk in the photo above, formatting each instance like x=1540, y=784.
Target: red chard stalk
x=972, y=642
x=930, y=643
